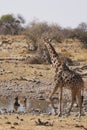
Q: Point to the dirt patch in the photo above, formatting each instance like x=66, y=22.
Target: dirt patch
x=28, y=122
x=35, y=82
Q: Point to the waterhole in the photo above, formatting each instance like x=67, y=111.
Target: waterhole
x=36, y=106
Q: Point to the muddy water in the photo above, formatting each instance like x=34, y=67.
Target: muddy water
x=35, y=106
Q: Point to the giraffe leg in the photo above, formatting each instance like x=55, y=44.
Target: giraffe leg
x=80, y=101
x=72, y=102
x=51, y=100
x=60, y=102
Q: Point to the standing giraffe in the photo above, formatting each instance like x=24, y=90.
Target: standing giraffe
x=64, y=77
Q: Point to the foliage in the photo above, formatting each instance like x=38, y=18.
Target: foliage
x=7, y=18
x=36, y=31
x=10, y=24
x=83, y=39
x=80, y=33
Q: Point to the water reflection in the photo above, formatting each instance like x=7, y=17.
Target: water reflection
x=20, y=103
x=10, y=104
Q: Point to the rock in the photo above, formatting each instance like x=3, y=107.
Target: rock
x=15, y=123
x=8, y=122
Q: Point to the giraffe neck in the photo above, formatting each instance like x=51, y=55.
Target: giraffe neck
x=53, y=55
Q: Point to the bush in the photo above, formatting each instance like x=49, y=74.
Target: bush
x=11, y=25
x=7, y=18
x=83, y=39
x=37, y=31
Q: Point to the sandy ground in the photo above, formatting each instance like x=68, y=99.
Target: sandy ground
x=17, y=78
x=28, y=122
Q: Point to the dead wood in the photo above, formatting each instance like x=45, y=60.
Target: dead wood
x=39, y=122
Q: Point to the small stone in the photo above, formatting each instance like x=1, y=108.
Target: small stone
x=15, y=123
x=12, y=127
x=8, y=122
x=22, y=119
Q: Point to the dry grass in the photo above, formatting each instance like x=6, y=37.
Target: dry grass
x=13, y=70
x=69, y=48
x=73, y=50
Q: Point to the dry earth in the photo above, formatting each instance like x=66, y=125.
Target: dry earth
x=36, y=82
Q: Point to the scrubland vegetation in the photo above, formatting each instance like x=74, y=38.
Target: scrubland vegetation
x=25, y=69
x=36, y=31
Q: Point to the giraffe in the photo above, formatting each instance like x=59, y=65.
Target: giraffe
x=65, y=78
